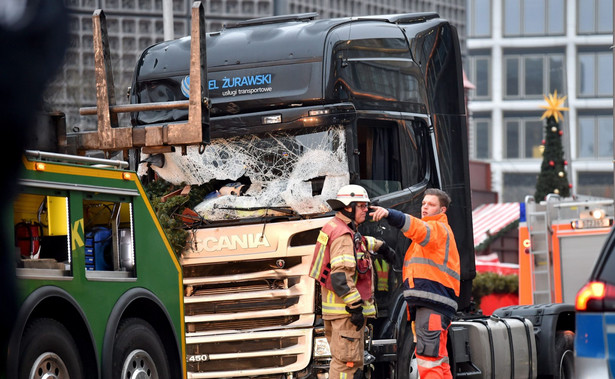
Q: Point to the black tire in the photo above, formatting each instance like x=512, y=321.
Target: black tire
x=406, y=359
x=138, y=350
x=49, y=350
x=564, y=355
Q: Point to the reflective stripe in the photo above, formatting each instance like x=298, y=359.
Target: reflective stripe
x=369, y=309
x=381, y=266
x=334, y=309
x=427, y=261
x=370, y=243
x=343, y=375
x=431, y=364
x=341, y=259
x=427, y=236
x=330, y=305
x=382, y=272
x=318, y=264
x=406, y=225
x=448, y=242
x=431, y=296
x=351, y=297
x=442, y=267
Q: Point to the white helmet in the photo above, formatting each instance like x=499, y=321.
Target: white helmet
x=348, y=194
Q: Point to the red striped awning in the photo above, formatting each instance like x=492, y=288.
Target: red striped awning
x=489, y=219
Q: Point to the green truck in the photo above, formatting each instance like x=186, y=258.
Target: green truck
x=99, y=288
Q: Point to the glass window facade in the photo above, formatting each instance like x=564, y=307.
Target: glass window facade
x=479, y=18
x=595, y=74
x=556, y=73
x=517, y=186
x=533, y=75
x=481, y=130
x=533, y=17
x=523, y=137
x=479, y=74
x=595, y=16
x=595, y=184
x=529, y=63
x=595, y=136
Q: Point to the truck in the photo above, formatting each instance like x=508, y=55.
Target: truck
x=272, y=116
x=99, y=287
x=304, y=107
x=560, y=239
x=552, y=233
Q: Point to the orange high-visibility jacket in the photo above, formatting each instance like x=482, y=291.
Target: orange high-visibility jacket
x=431, y=270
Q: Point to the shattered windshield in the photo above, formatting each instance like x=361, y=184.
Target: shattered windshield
x=264, y=175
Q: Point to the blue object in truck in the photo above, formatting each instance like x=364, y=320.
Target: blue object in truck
x=98, y=249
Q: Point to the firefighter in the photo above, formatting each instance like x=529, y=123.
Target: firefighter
x=431, y=278
x=343, y=268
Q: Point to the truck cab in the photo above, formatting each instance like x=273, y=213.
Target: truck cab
x=304, y=106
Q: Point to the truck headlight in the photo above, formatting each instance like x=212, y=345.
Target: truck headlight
x=321, y=348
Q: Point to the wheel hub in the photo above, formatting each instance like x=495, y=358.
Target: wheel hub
x=139, y=365
x=48, y=366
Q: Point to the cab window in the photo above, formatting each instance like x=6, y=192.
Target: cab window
x=379, y=161
x=390, y=154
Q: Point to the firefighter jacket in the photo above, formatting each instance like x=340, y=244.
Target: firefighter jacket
x=431, y=271
x=343, y=269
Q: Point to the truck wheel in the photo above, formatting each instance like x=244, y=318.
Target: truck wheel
x=564, y=354
x=407, y=367
x=138, y=352
x=49, y=351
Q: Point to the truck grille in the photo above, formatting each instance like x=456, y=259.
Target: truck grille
x=242, y=347
x=239, y=306
x=250, y=313
x=241, y=324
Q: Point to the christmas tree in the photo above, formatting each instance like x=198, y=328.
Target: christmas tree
x=552, y=177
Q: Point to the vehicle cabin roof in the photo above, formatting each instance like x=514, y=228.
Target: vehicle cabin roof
x=261, y=40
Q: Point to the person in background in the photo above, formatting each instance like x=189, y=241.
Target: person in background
x=431, y=278
x=342, y=266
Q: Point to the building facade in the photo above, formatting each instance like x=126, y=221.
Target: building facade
x=521, y=50
x=133, y=25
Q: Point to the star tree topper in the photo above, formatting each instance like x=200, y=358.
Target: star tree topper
x=554, y=106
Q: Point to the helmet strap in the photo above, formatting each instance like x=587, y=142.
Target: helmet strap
x=351, y=215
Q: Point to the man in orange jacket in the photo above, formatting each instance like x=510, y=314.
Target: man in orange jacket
x=431, y=277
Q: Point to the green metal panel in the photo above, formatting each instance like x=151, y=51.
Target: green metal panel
x=156, y=267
